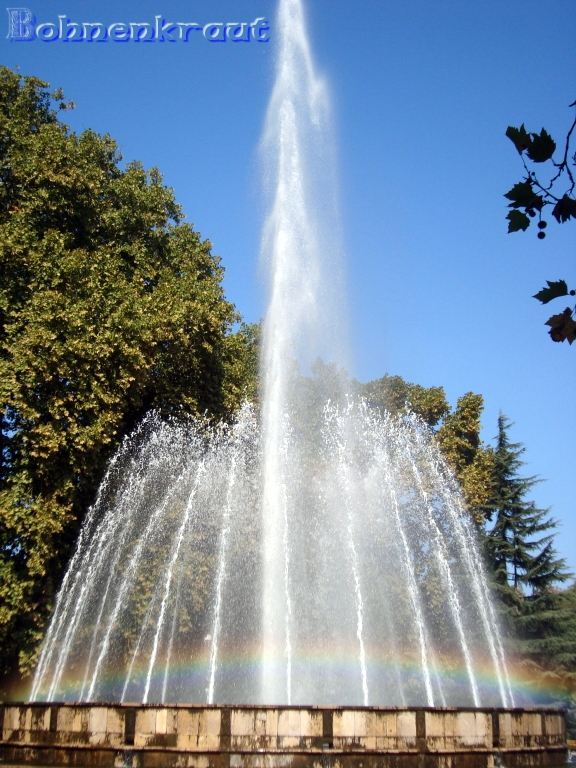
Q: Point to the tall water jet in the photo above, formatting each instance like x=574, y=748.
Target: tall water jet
x=317, y=552
x=296, y=247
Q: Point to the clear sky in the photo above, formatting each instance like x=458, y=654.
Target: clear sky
x=423, y=91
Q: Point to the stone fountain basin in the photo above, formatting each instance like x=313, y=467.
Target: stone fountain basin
x=201, y=736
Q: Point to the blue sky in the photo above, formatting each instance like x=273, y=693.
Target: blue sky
x=423, y=91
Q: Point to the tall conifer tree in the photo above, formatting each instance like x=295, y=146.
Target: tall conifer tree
x=521, y=553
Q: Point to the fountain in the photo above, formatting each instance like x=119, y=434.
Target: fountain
x=314, y=553
x=381, y=596
x=311, y=554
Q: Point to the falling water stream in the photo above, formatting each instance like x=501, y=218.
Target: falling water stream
x=312, y=551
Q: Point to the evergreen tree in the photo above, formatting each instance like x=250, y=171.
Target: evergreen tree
x=521, y=558
x=526, y=567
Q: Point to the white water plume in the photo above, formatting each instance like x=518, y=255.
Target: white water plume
x=377, y=559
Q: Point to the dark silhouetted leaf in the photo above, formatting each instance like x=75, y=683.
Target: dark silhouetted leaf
x=522, y=195
x=519, y=137
x=542, y=147
x=555, y=289
x=517, y=221
x=564, y=209
x=562, y=327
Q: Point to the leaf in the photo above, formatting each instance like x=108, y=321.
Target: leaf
x=542, y=147
x=564, y=209
x=519, y=137
x=562, y=327
x=522, y=195
x=555, y=289
x=517, y=220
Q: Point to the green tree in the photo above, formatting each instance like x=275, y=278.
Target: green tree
x=457, y=431
x=250, y=338
x=109, y=305
x=540, y=617
x=546, y=642
x=518, y=559
x=519, y=545
x=394, y=394
x=472, y=461
x=533, y=194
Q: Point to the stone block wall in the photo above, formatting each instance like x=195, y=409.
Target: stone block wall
x=153, y=736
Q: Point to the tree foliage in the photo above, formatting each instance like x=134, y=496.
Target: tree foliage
x=109, y=305
x=532, y=195
x=527, y=571
x=546, y=644
x=394, y=394
x=522, y=559
x=457, y=431
x=472, y=461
